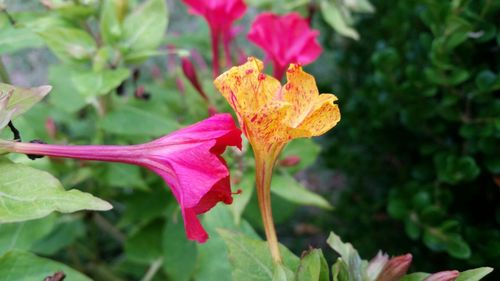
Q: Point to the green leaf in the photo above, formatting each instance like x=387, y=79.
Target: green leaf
x=144, y=246
x=179, y=254
x=66, y=231
x=340, y=271
x=16, y=39
x=313, y=267
x=454, y=169
x=474, y=274
x=125, y=176
x=418, y=276
x=306, y=149
x=457, y=246
x=28, y=193
x=17, y=265
x=64, y=96
x=144, y=28
x=360, y=6
x=282, y=273
x=110, y=21
x=24, y=235
x=97, y=83
x=15, y=101
x=251, y=259
x=69, y=43
x=288, y=188
x=355, y=266
x=334, y=15
x=133, y=121
x=485, y=80
x=246, y=185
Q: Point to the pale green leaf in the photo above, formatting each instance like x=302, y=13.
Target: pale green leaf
x=349, y=255
x=251, y=259
x=313, y=267
x=335, y=17
x=133, y=121
x=288, y=188
x=110, y=23
x=97, y=83
x=64, y=96
x=17, y=265
x=24, y=235
x=69, y=43
x=474, y=274
x=15, y=39
x=144, y=28
x=28, y=193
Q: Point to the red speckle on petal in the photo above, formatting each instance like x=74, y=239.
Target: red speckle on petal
x=288, y=86
x=262, y=76
x=253, y=118
x=249, y=71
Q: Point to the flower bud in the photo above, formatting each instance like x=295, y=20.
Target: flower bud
x=395, y=268
x=190, y=73
x=450, y=275
x=51, y=128
x=376, y=265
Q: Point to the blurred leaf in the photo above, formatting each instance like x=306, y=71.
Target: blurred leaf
x=340, y=271
x=360, y=6
x=251, y=259
x=110, y=22
x=457, y=247
x=334, y=16
x=69, y=43
x=179, y=254
x=306, y=149
x=133, y=121
x=24, y=235
x=282, y=273
x=17, y=265
x=65, y=232
x=474, y=274
x=246, y=185
x=355, y=266
x=29, y=193
x=418, y=276
x=288, y=188
x=64, y=96
x=313, y=267
x=485, y=80
x=125, y=176
x=16, y=39
x=91, y=83
x=144, y=28
x=454, y=169
x=145, y=246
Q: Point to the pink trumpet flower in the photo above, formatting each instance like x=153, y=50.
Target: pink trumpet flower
x=286, y=39
x=220, y=15
x=189, y=160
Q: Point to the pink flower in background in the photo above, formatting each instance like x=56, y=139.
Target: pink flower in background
x=220, y=15
x=189, y=160
x=450, y=275
x=285, y=39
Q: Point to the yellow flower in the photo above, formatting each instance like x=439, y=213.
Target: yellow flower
x=271, y=115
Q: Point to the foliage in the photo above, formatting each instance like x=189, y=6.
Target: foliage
x=420, y=129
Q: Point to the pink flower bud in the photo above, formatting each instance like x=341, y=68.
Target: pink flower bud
x=190, y=73
x=395, y=268
x=450, y=275
x=290, y=161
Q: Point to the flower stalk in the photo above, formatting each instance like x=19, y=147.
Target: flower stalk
x=264, y=165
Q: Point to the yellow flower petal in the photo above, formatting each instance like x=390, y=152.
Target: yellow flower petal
x=246, y=88
x=300, y=91
x=324, y=115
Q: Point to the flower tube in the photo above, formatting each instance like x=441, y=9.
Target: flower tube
x=189, y=160
x=270, y=116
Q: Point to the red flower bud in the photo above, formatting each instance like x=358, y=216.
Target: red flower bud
x=51, y=128
x=395, y=268
x=190, y=73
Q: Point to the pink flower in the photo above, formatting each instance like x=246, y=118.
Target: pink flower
x=285, y=39
x=189, y=160
x=220, y=15
x=395, y=268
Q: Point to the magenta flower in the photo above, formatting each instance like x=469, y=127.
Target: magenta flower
x=285, y=39
x=220, y=15
x=189, y=160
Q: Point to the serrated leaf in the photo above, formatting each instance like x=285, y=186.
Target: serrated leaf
x=69, y=43
x=288, y=188
x=133, y=121
x=17, y=265
x=28, y=193
x=144, y=28
x=251, y=259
